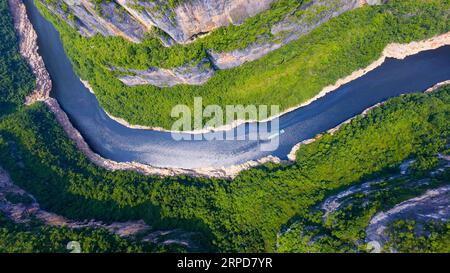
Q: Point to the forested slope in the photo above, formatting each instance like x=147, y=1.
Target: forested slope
x=243, y=215
x=286, y=77
x=13, y=86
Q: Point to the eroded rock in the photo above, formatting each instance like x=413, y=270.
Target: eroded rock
x=434, y=205
x=299, y=22
x=191, y=19
x=28, y=48
x=107, y=19
x=189, y=74
x=132, y=18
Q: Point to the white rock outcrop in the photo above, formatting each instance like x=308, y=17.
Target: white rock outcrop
x=191, y=19
x=132, y=18
x=299, y=22
x=196, y=74
x=107, y=19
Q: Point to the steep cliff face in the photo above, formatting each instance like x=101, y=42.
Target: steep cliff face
x=131, y=18
x=303, y=20
x=188, y=74
x=295, y=24
x=186, y=20
x=107, y=19
x=192, y=18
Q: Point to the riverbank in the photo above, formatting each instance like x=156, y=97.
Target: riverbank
x=25, y=212
x=394, y=51
x=293, y=153
x=74, y=135
x=28, y=48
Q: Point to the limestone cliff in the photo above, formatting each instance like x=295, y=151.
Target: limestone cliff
x=107, y=19
x=295, y=24
x=186, y=20
x=132, y=18
x=299, y=22
x=188, y=74
x=191, y=19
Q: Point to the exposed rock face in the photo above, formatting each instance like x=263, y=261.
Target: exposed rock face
x=294, y=25
x=131, y=18
x=27, y=208
x=434, y=205
x=193, y=18
x=107, y=19
x=194, y=75
x=227, y=60
x=188, y=20
x=28, y=48
x=299, y=22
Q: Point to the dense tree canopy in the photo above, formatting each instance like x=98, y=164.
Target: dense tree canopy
x=13, y=86
x=241, y=215
x=244, y=214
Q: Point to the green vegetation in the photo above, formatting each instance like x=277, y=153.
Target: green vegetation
x=241, y=215
x=119, y=52
x=13, y=86
x=344, y=229
x=34, y=237
x=433, y=238
x=287, y=77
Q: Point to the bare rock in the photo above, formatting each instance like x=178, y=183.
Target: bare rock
x=107, y=19
x=191, y=19
x=132, y=18
x=298, y=23
x=28, y=48
x=238, y=57
x=434, y=205
x=188, y=74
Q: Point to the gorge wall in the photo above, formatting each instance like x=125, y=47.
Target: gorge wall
x=184, y=21
x=295, y=23
x=132, y=18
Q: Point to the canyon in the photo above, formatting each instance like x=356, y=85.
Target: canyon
x=376, y=151
x=189, y=20
x=131, y=19
x=206, y=163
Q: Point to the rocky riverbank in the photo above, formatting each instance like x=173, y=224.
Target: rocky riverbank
x=293, y=154
x=394, y=50
x=28, y=48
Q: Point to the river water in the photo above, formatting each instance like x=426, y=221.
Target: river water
x=114, y=141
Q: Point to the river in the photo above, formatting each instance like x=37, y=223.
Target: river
x=119, y=143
